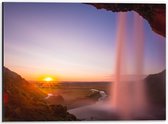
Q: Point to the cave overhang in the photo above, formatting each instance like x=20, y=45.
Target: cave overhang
x=155, y=14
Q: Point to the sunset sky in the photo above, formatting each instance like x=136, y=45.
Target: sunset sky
x=71, y=42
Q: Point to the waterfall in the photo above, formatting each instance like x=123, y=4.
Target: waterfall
x=128, y=97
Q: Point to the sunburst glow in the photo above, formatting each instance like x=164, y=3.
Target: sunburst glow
x=48, y=79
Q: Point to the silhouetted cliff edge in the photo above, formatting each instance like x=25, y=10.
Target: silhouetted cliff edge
x=22, y=101
x=156, y=88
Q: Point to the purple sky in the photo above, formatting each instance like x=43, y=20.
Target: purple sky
x=71, y=42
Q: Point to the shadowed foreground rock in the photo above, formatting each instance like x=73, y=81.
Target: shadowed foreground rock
x=52, y=100
x=156, y=88
x=156, y=91
x=24, y=102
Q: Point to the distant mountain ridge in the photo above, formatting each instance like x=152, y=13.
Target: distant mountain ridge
x=24, y=102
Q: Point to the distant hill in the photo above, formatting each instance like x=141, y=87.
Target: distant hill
x=24, y=102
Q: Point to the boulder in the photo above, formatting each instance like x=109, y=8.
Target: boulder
x=55, y=99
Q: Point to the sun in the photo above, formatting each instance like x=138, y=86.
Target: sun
x=48, y=79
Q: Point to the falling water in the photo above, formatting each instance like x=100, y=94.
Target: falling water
x=140, y=98
x=128, y=97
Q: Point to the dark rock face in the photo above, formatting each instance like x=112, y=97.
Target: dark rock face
x=156, y=88
x=22, y=101
x=52, y=100
x=156, y=94
x=155, y=14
